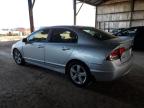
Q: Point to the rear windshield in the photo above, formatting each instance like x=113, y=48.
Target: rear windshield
x=98, y=34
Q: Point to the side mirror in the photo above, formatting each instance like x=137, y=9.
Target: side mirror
x=24, y=40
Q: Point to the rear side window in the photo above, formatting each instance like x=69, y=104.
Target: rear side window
x=63, y=36
x=98, y=34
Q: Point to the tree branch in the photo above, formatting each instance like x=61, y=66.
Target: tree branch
x=33, y=2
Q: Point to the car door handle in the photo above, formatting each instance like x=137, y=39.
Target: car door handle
x=64, y=49
x=40, y=46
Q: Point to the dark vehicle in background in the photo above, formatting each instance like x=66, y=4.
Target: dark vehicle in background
x=137, y=33
x=114, y=31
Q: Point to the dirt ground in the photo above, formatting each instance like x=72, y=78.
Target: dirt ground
x=34, y=87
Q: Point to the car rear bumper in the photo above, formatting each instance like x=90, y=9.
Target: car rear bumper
x=111, y=70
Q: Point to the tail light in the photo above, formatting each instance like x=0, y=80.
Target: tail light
x=116, y=54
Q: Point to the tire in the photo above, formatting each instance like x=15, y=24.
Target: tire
x=18, y=57
x=78, y=73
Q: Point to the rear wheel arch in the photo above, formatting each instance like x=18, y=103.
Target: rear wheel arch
x=86, y=78
x=72, y=61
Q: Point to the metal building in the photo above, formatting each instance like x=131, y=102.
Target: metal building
x=111, y=14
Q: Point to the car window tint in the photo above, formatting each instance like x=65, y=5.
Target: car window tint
x=98, y=34
x=39, y=36
x=63, y=36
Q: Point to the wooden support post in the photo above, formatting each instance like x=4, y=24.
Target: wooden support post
x=30, y=6
x=96, y=23
x=131, y=11
x=74, y=7
x=104, y=25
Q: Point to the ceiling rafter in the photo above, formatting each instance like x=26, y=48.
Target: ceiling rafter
x=92, y=2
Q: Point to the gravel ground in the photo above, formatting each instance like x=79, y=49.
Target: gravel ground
x=34, y=87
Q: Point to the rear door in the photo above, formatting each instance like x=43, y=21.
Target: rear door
x=60, y=47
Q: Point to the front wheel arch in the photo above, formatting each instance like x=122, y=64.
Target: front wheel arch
x=23, y=61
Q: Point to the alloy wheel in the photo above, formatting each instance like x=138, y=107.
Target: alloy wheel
x=78, y=74
x=17, y=57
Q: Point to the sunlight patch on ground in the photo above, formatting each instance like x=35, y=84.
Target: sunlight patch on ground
x=11, y=38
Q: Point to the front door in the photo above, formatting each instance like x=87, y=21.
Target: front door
x=35, y=46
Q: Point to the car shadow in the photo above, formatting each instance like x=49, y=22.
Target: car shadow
x=120, y=90
x=126, y=89
x=45, y=70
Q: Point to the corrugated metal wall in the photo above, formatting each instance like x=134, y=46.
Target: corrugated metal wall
x=120, y=14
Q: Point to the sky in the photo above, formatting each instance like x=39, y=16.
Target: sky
x=14, y=13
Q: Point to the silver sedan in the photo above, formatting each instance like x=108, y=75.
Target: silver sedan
x=79, y=52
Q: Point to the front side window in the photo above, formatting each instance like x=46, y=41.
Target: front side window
x=63, y=36
x=39, y=36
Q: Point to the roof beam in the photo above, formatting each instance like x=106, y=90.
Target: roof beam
x=92, y=2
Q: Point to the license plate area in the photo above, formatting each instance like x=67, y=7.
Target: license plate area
x=126, y=55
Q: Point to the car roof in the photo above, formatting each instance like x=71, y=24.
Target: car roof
x=66, y=26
